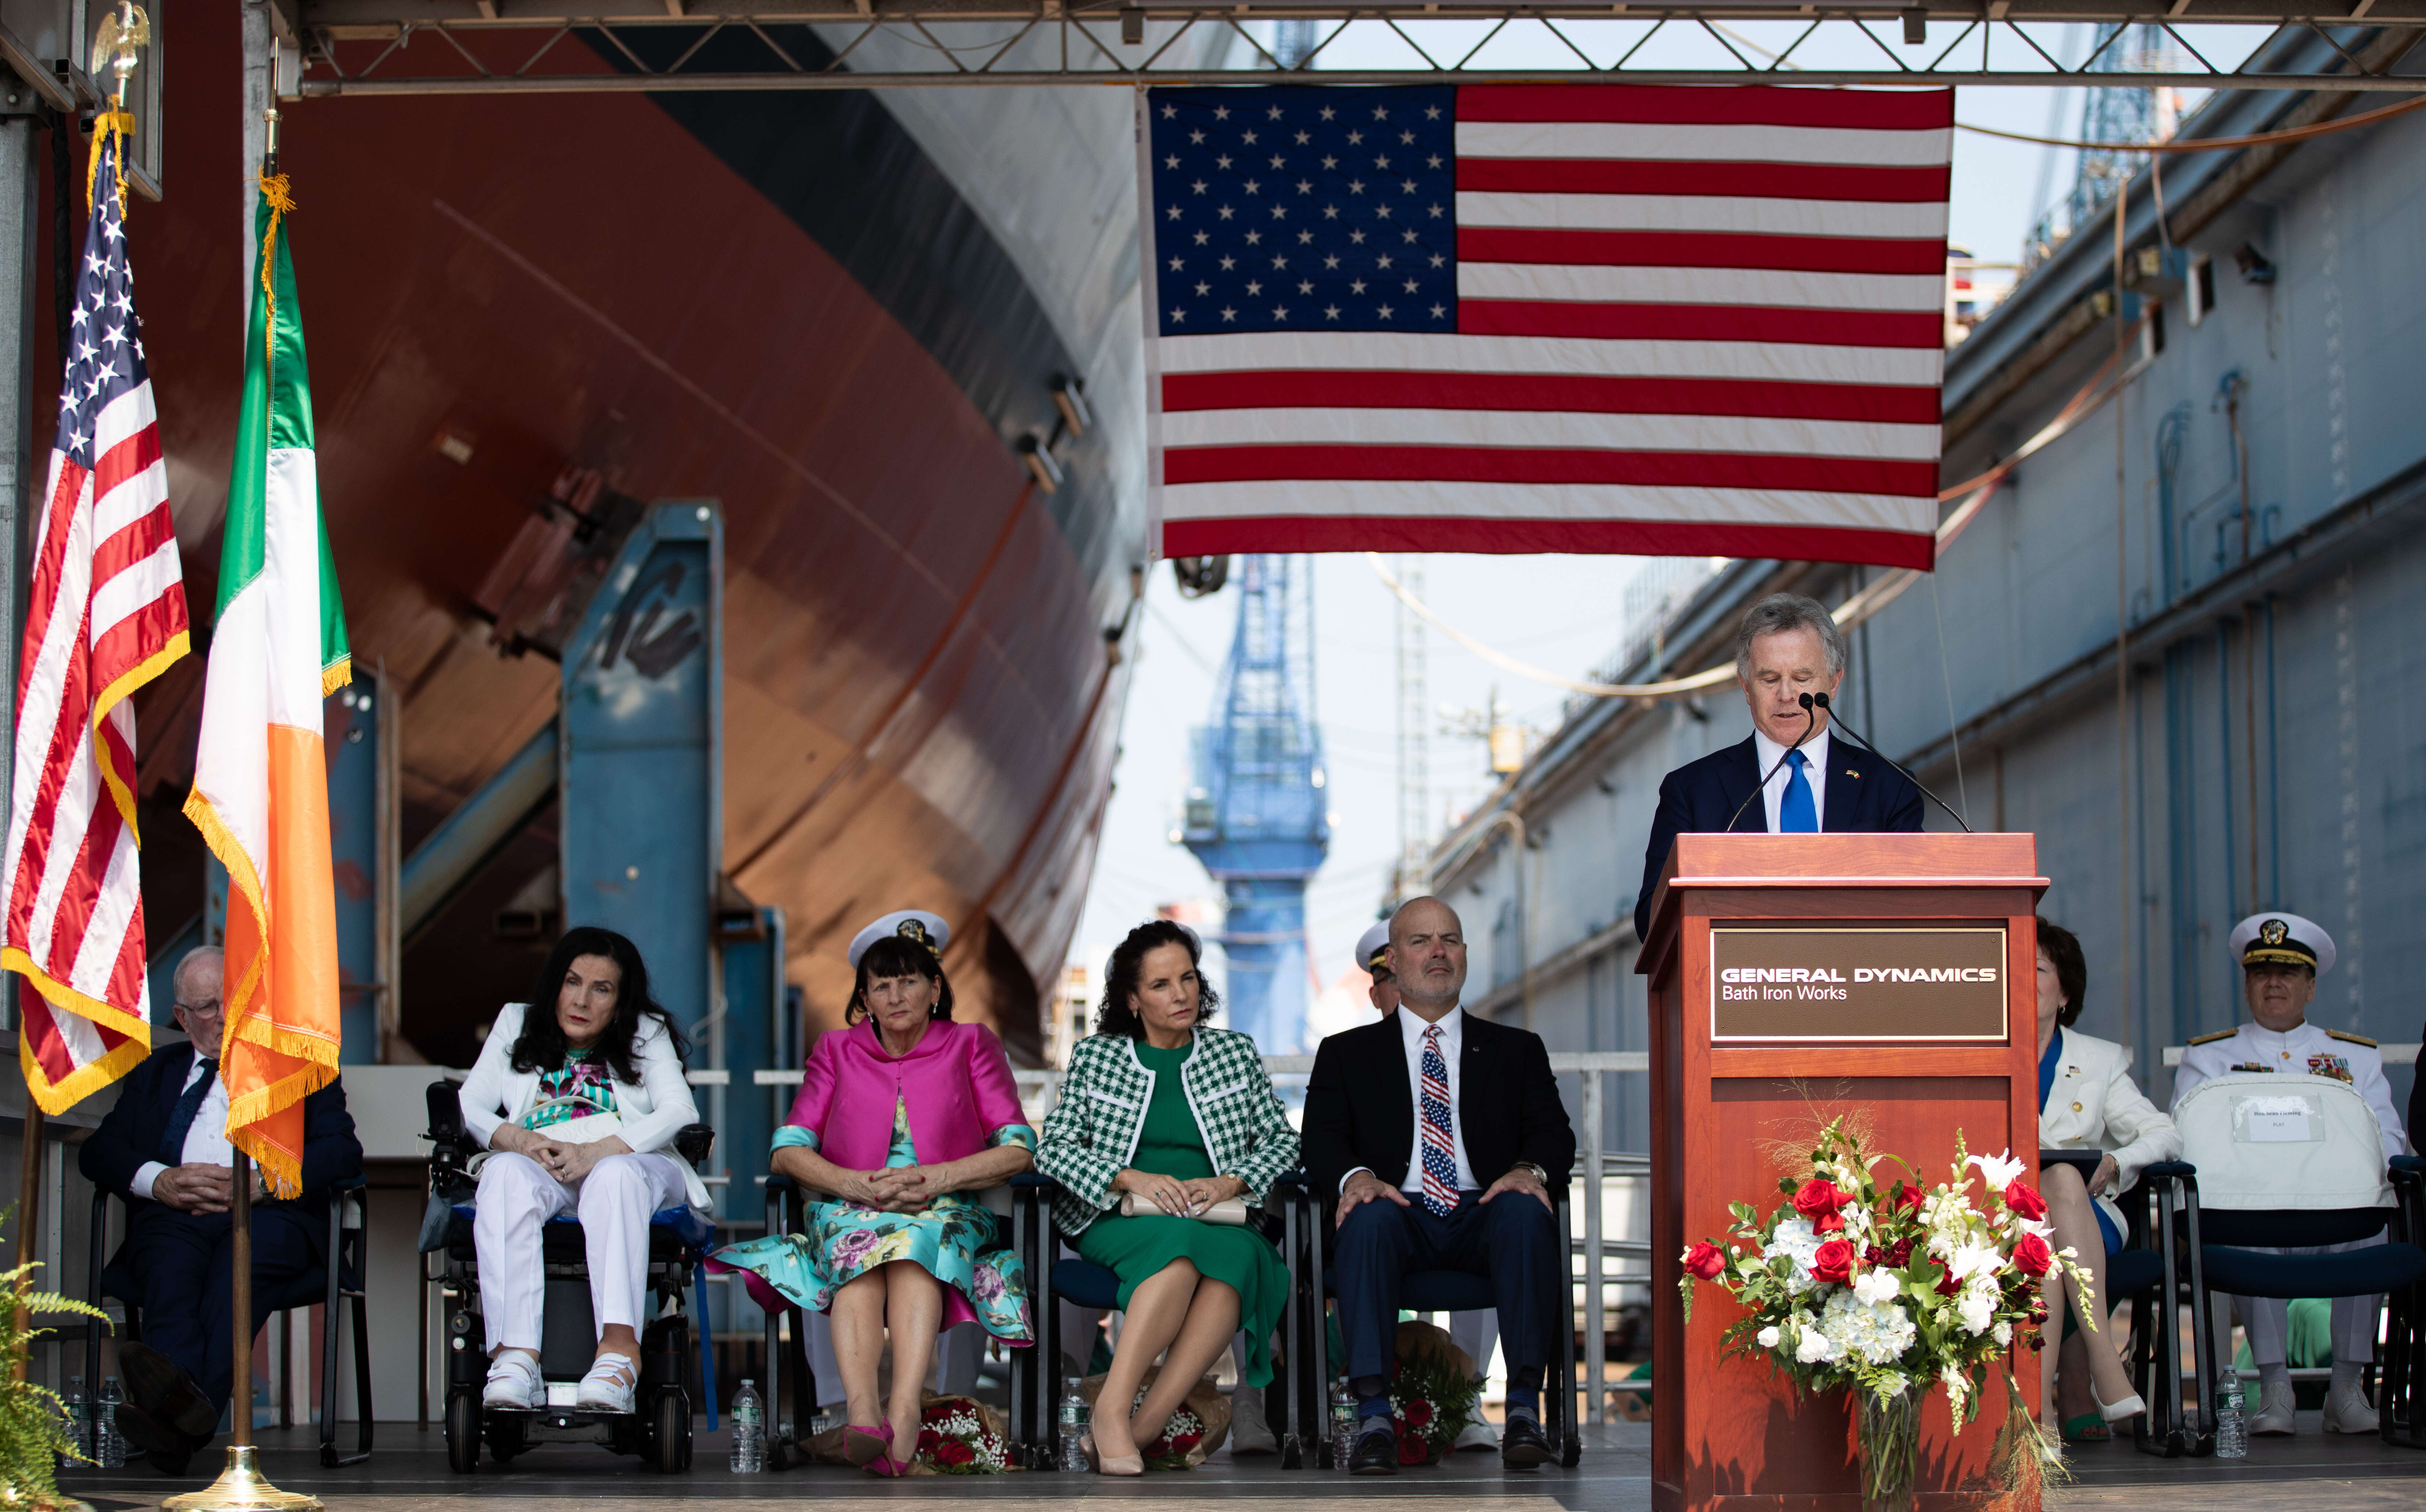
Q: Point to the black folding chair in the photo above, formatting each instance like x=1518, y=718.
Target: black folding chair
x=1449, y=1291
x=1087, y=1284
x=2158, y=1269
x=348, y=1222
x=2401, y=1376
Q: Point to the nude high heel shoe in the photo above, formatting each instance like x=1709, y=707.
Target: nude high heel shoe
x=1103, y=1464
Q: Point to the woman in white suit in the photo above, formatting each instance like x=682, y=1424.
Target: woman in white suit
x=577, y=1099
x=2087, y=1101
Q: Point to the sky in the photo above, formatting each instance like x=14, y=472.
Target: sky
x=1559, y=613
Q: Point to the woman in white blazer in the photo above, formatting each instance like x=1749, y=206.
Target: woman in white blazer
x=2087, y=1101
x=578, y=1102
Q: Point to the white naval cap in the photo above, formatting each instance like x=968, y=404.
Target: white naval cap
x=910, y=923
x=2283, y=938
x=1370, y=944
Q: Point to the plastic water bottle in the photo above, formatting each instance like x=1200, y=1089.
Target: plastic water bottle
x=1072, y=1424
x=79, y=1423
x=749, y=1430
x=1343, y=1423
x=108, y=1444
x=2231, y=1427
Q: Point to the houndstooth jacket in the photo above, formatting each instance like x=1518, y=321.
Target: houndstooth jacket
x=1092, y=1131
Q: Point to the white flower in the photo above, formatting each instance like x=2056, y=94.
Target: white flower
x=1999, y=1171
x=2004, y=1332
x=1974, y=1257
x=1876, y=1286
x=1958, y=1387
x=1767, y=1337
x=1976, y=1311
x=1794, y=1238
x=1815, y=1347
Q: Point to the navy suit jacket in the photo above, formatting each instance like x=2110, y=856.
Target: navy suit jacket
x=1865, y=795
x=130, y=1133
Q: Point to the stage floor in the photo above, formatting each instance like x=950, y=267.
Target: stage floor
x=2307, y=1473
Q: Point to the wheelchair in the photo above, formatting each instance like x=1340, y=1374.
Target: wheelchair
x=659, y=1429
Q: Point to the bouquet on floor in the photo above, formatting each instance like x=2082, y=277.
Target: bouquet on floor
x=961, y=1436
x=1433, y=1393
x=1889, y=1293
x=1195, y=1428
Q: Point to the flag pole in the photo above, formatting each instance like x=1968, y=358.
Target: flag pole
x=29, y=1212
x=241, y=1487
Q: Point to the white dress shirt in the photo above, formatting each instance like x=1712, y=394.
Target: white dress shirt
x=207, y=1142
x=1452, y=1040
x=1815, y=750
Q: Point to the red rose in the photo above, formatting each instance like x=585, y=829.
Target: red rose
x=2032, y=1256
x=928, y=1438
x=1834, y=1263
x=1948, y=1285
x=1898, y=1254
x=1413, y=1450
x=1186, y=1443
x=1419, y=1412
x=2024, y=1198
x=1908, y=1197
x=1818, y=1200
x=2038, y=1316
x=953, y=1452
x=1705, y=1260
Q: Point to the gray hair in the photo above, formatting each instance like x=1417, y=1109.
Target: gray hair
x=199, y=955
x=1786, y=612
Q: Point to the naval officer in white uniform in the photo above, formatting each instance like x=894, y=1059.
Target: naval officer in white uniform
x=2281, y=957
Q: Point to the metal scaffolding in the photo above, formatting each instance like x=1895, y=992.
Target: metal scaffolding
x=408, y=47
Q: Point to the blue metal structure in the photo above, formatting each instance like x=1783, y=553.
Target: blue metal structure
x=1256, y=814
x=351, y=722
x=639, y=752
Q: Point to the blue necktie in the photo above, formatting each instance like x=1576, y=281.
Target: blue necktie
x=1440, y=1154
x=181, y=1117
x=1796, y=813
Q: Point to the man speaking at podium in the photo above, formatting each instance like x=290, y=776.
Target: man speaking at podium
x=1788, y=652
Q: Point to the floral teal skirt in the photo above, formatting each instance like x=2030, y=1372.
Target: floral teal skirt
x=957, y=1240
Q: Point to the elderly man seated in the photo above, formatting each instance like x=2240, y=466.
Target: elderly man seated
x=2281, y=957
x=165, y=1149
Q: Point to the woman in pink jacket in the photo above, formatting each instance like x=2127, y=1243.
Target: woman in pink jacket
x=898, y=1114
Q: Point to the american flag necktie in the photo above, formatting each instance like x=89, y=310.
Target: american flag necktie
x=1440, y=1154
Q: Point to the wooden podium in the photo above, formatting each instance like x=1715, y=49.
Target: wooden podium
x=1783, y=959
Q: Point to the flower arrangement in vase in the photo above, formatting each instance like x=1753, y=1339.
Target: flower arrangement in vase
x=1888, y=1294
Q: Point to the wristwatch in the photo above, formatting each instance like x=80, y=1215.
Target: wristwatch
x=1539, y=1174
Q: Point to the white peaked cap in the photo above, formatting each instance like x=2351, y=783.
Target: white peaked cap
x=2284, y=937
x=912, y=923
x=1371, y=943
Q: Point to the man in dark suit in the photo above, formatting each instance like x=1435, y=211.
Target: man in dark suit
x=1441, y=1136
x=1787, y=646
x=165, y=1149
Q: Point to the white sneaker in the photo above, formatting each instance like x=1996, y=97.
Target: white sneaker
x=1477, y=1434
x=609, y=1384
x=2278, y=1417
x=514, y=1383
x=1250, y=1434
x=2346, y=1411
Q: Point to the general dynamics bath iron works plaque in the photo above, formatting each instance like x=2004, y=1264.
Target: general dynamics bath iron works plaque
x=1854, y=984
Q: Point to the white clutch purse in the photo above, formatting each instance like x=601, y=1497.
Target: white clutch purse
x=1229, y=1210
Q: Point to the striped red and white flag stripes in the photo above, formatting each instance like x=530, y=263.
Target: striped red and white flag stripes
x=106, y=611
x=1548, y=317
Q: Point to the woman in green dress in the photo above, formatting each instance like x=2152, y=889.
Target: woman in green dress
x=1160, y=1108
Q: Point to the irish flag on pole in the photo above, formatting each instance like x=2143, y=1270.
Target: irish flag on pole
x=261, y=778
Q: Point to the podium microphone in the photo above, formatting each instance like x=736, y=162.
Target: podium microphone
x=1811, y=707
x=1822, y=701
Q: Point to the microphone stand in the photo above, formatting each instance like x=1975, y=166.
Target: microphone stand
x=1822, y=701
x=1811, y=707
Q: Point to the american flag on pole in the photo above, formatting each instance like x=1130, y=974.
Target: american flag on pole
x=1546, y=318
x=105, y=612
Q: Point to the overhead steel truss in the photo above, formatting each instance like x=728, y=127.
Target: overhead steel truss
x=416, y=47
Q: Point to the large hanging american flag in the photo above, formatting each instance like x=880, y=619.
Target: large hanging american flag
x=1546, y=318
x=105, y=612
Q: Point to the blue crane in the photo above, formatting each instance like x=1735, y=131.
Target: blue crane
x=1256, y=814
